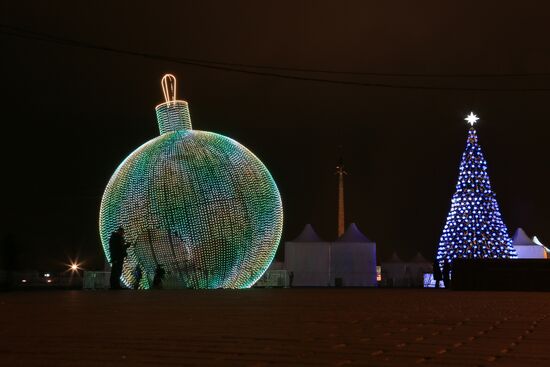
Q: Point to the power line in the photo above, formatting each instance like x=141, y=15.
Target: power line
x=233, y=67
x=324, y=71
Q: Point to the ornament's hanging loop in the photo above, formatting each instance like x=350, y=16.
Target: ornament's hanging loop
x=169, y=88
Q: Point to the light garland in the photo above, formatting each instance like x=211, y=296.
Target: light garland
x=199, y=203
x=474, y=227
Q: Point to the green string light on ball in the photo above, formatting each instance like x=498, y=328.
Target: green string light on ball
x=198, y=203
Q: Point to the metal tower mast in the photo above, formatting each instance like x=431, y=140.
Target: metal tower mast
x=341, y=213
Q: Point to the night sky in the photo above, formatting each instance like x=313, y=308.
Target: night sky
x=72, y=114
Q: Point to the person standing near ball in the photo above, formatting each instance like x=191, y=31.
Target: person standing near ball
x=118, y=250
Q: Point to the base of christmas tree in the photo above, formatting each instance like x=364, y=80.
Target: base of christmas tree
x=501, y=274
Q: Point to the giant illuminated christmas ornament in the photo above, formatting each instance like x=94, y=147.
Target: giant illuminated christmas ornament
x=198, y=203
x=474, y=227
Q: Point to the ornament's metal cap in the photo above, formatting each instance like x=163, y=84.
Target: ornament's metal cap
x=172, y=115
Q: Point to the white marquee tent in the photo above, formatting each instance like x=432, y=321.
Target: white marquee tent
x=537, y=241
x=349, y=262
x=399, y=273
x=527, y=248
x=354, y=259
x=307, y=257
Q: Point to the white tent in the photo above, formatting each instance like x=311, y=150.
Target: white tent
x=349, y=262
x=527, y=248
x=274, y=276
x=393, y=271
x=399, y=273
x=418, y=266
x=546, y=249
x=354, y=259
x=537, y=241
x=307, y=257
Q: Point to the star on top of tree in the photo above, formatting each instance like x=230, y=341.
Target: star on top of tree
x=471, y=118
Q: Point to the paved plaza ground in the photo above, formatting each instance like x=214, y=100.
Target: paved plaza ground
x=285, y=327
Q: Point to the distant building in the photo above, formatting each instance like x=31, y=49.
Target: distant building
x=349, y=261
x=527, y=248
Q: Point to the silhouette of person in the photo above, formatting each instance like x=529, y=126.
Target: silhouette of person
x=159, y=276
x=438, y=276
x=117, y=249
x=138, y=274
x=290, y=278
x=446, y=273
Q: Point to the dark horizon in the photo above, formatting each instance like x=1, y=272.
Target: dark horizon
x=74, y=113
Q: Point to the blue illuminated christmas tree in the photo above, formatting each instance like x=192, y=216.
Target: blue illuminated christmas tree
x=474, y=227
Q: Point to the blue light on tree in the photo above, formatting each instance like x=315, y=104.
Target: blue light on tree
x=474, y=227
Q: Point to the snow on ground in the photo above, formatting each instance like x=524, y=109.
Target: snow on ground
x=285, y=327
